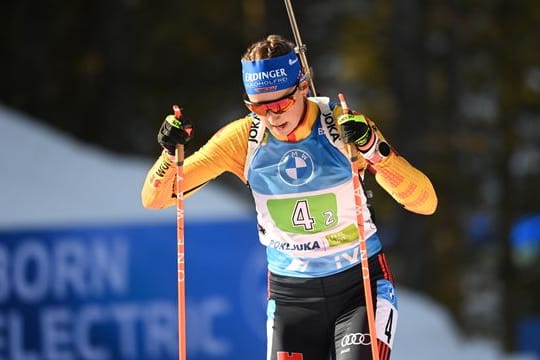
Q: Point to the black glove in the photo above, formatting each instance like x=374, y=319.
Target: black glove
x=356, y=130
x=174, y=131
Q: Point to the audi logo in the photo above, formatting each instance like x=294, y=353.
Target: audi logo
x=355, y=339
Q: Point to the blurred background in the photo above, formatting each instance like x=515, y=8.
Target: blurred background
x=454, y=85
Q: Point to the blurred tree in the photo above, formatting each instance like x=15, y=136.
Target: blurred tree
x=109, y=71
x=516, y=54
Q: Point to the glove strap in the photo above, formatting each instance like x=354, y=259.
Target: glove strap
x=378, y=151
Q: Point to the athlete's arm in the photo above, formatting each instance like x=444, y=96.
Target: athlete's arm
x=406, y=184
x=225, y=151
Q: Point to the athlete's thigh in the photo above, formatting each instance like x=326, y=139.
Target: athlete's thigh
x=297, y=332
x=351, y=336
x=352, y=339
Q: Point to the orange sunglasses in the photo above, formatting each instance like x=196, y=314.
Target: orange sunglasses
x=277, y=106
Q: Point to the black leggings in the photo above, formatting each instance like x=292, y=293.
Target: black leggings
x=324, y=318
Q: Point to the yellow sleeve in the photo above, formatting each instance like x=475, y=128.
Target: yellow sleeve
x=225, y=151
x=406, y=184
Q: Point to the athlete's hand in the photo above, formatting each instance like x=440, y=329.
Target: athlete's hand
x=356, y=130
x=173, y=132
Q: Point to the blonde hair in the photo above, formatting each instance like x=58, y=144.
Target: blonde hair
x=272, y=46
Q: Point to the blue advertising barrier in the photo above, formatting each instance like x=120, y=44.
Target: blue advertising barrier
x=109, y=292
x=527, y=336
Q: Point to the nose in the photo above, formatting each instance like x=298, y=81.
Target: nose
x=271, y=117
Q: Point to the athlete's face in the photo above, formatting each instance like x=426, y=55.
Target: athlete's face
x=280, y=111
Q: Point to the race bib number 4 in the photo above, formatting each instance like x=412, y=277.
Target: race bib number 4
x=302, y=215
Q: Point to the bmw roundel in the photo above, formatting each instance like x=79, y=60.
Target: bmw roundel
x=296, y=167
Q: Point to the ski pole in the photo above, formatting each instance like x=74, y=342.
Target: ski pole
x=300, y=47
x=353, y=155
x=181, y=274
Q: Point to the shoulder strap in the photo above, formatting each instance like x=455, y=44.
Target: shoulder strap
x=330, y=127
x=255, y=138
x=328, y=122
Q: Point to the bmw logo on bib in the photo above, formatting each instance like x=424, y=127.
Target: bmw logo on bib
x=296, y=167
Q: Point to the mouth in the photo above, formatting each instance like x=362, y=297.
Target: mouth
x=280, y=126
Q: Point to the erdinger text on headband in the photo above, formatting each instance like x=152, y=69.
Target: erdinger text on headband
x=271, y=74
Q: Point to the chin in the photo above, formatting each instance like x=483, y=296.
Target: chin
x=283, y=132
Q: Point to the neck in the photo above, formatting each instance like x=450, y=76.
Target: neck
x=292, y=136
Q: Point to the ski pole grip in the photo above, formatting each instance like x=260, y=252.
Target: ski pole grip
x=177, y=116
x=177, y=112
x=343, y=102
